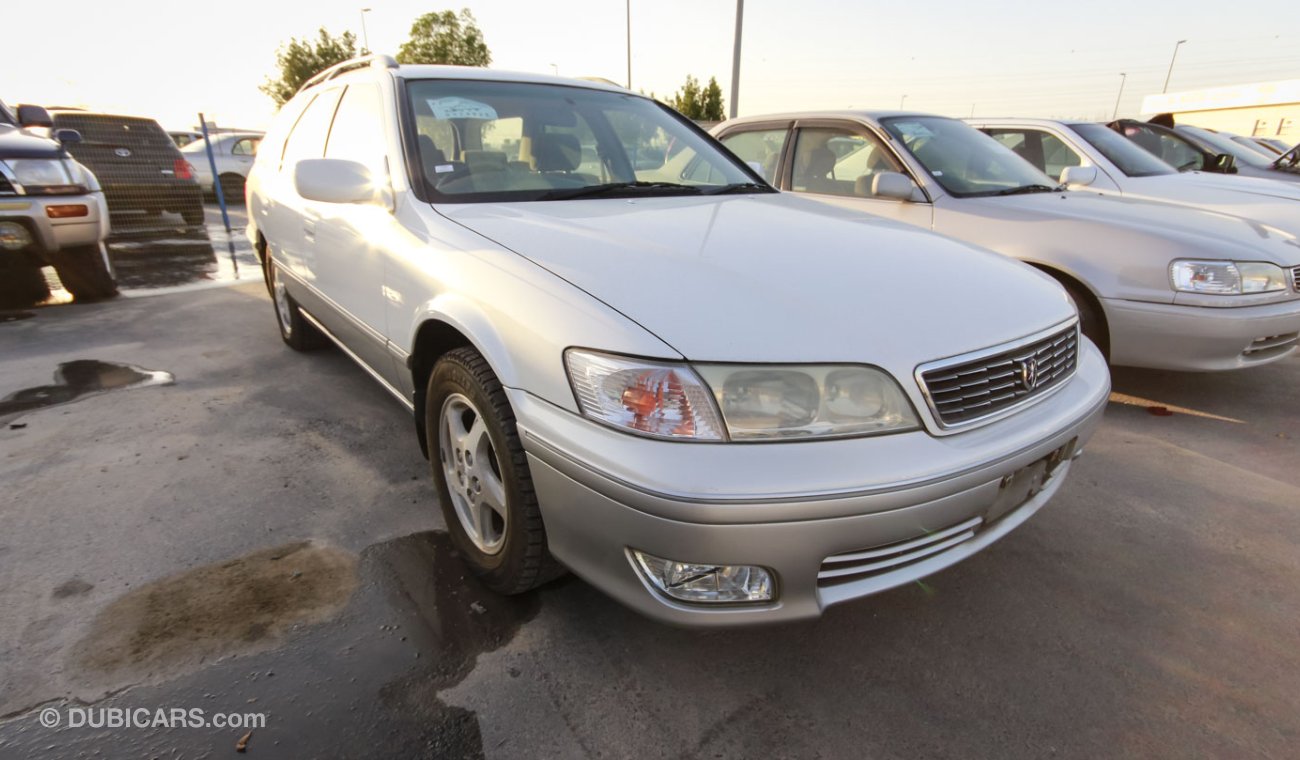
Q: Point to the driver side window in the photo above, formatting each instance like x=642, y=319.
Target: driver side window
x=834, y=161
x=1170, y=149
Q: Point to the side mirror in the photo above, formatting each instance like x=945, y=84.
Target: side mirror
x=67, y=136
x=1225, y=163
x=892, y=185
x=34, y=116
x=1080, y=176
x=333, y=180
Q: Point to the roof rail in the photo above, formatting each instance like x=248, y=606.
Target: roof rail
x=378, y=61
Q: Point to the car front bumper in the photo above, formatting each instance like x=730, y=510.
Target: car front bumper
x=57, y=234
x=791, y=507
x=1200, y=338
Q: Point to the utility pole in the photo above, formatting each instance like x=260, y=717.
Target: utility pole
x=735, y=59
x=901, y=101
x=365, y=36
x=629, y=44
x=1122, y=79
x=1171, y=65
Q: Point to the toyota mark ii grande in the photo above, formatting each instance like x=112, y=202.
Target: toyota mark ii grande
x=718, y=403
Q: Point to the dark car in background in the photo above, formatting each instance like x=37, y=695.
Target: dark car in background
x=137, y=163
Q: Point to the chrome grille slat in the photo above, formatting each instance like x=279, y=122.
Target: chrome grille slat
x=1295, y=278
x=961, y=391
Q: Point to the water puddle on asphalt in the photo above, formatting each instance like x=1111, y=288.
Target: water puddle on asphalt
x=78, y=379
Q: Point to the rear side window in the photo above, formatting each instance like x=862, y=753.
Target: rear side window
x=357, y=134
x=307, y=140
x=245, y=147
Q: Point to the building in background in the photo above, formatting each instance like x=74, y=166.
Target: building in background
x=1266, y=109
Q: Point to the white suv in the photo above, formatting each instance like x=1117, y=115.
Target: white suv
x=627, y=353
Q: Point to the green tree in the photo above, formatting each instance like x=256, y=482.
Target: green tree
x=699, y=103
x=300, y=60
x=444, y=37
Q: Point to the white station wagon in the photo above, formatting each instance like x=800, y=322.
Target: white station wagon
x=718, y=403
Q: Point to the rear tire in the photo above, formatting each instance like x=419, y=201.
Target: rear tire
x=232, y=186
x=296, y=332
x=493, y=516
x=193, y=214
x=85, y=272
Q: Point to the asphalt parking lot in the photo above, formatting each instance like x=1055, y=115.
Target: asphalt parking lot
x=260, y=536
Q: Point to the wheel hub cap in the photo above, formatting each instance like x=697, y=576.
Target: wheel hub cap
x=473, y=474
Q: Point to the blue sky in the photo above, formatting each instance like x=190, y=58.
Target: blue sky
x=998, y=58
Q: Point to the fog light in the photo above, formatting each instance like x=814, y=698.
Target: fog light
x=693, y=582
x=14, y=236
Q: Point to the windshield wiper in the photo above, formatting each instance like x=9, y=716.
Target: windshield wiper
x=1025, y=189
x=740, y=187
x=612, y=188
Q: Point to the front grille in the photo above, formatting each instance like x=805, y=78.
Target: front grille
x=858, y=565
x=1295, y=278
x=1270, y=345
x=965, y=389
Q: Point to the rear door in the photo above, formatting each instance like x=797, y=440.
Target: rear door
x=287, y=221
x=349, y=255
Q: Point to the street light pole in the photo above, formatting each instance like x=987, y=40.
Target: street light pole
x=1122, y=79
x=365, y=36
x=1171, y=65
x=901, y=101
x=629, y=44
x=735, y=60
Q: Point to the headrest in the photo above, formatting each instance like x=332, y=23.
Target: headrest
x=429, y=153
x=557, y=153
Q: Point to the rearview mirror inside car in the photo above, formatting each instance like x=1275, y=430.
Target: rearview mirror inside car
x=334, y=180
x=892, y=185
x=34, y=116
x=1080, y=176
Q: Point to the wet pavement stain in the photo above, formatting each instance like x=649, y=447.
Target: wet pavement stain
x=458, y=619
x=366, y=683
x=77, y=379
x=244, y=604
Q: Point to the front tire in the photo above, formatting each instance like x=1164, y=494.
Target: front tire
x=22, y=284
x=296, y=332
x=1091, y=322
x=482, y=476
x=85, y=272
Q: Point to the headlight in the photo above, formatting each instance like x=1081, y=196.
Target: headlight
x=767, y=402
x=739, y=402
x=44, y=175
x=657, y=399
x=1226, y=277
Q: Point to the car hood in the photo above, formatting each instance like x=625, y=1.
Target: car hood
x=775, y=278
x=17, y=143
x=1191, y=231
x=1276, y=204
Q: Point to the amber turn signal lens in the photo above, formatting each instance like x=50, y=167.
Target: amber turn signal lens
x=67, y=210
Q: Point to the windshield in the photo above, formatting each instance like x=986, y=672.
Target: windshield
x=1223, y=144
x=1131, y=159
x=963, y=160
x=510, y=141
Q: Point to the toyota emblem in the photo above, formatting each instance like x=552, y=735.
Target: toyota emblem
x=1029, y=373
x=122, y=153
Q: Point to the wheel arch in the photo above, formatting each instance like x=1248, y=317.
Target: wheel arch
x=1076, y=285
x=451, y=325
